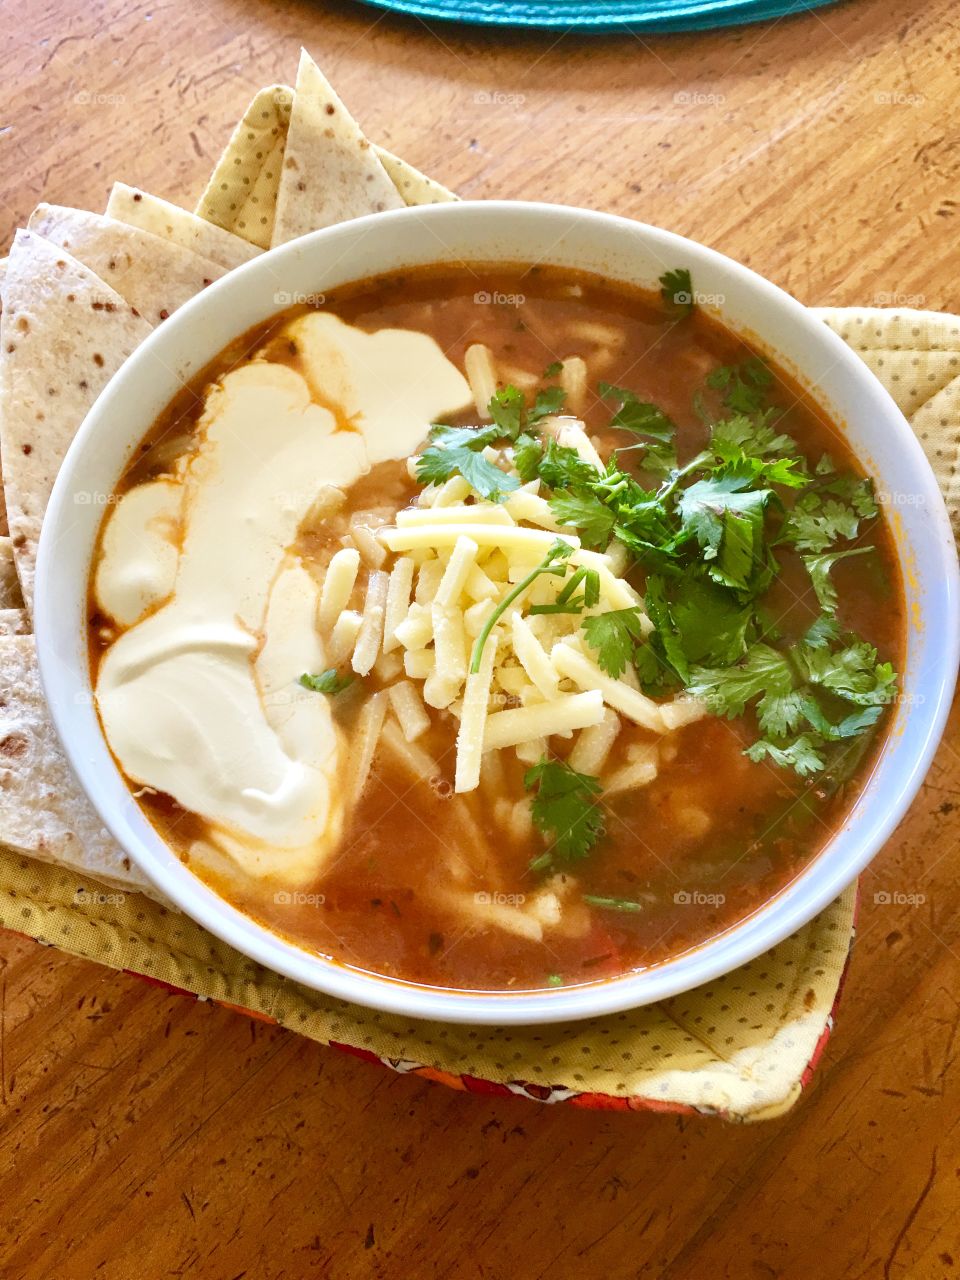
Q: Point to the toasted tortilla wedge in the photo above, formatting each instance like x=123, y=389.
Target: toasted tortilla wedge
x=140, y=209
x=10, y=597
x=155, y=276
x=415, y=187
x=331, y=173
x=43, y=811
x=63, y=334
x=241, y=195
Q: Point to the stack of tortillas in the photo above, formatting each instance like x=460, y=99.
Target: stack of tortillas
x=80, y=292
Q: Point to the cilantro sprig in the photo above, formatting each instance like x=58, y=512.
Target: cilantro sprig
x=459, y=450
x=709, y=533
x=614, y=636
x=565, y=811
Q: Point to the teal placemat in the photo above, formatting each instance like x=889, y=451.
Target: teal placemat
x=603, y=15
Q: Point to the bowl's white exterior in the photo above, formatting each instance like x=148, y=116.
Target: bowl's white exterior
x=509, y=233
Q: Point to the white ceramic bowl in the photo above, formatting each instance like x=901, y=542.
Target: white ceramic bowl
x=508, y=233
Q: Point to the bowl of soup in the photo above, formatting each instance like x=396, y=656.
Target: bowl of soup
x=497, y=612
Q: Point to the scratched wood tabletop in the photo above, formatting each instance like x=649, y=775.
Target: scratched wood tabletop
x=146, y=1135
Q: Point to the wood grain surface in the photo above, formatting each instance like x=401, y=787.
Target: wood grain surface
x=145, y=1135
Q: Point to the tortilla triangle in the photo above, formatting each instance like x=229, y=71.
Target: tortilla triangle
x=43, y=811
x=63, y=334
x=331, y=173
x=415, y=187
x=140, y=209
x=155, y=276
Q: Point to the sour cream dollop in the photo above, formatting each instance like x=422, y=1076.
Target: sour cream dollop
x=199, y=696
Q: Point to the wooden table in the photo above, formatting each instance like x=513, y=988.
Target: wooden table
x=145, y=1135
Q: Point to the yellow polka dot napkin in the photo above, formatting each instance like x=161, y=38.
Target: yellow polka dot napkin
x=742, y=1047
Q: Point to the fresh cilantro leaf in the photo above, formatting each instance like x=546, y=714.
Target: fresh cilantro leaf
x=816, y=522
x=780, y=712
x=819, y=569
x=713, y=626
x=506, y=410
x=666, y=640
x=751, y=436
x=326, y=682
x=527, y=453
x=587, y=514
x=802, y=754
x=614, y=635
x=563, y=468
x=744, y=386
x=850, y=726
x=651, y=672
x=552, y=370
x=858, y=491
x=727, y=519
x=852, y=673
x=649, y=422
x=565, y=810
x=637, y=415
x=439, y=463
x=463, y=437
x=676, y=289
x=764, y=672
x=548, y=402
x=822, y=633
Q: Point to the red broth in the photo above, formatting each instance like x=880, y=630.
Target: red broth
x=702, y=847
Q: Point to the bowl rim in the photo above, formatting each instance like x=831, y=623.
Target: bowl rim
x=791, y=908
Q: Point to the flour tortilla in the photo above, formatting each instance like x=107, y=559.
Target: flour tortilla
x=140, y=209
x=43, y=812
x=4, y=527
x=10, y=597
x=415, y=187
x=241, y=195
x=331, y=173
x=153, y=275
x=15, y=622
x=63, y=334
